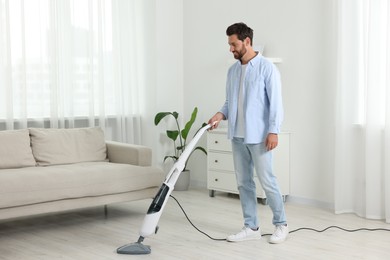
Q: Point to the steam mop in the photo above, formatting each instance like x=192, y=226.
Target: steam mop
x=154, y=212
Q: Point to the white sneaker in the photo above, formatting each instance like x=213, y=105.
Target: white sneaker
x=245, y=234
x=280, y=234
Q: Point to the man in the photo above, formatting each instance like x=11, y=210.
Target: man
x=254, y=111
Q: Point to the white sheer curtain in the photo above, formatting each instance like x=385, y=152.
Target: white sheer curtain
x=362, y=147
x=72, y=63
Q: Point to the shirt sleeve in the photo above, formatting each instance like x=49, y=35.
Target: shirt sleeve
x=274, y=94
x=224, y=110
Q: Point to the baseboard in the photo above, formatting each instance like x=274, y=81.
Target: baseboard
x=310, y=202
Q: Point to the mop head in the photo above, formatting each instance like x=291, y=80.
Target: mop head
x=134, y=249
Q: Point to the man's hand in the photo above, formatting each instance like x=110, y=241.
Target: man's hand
x=214, y=121
x=272, y=141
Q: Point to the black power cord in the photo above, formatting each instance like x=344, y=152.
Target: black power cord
x=292, y=231
x=185, y=214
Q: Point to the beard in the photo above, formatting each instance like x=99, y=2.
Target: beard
x=239, y=54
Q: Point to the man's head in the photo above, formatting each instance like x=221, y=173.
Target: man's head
x=240, y=38
x=241, y=30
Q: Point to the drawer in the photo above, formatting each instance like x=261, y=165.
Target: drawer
x=220, y=167
x=222, y=181
x=226, y=181
x=220, y=161
x=217, y=141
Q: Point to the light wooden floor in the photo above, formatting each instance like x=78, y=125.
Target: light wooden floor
x=87, y=234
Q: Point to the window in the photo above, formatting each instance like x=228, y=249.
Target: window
x=57, y=59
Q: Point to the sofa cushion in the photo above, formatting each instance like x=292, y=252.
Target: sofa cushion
x=64, y=146
x=33, y=185
x=15, y=149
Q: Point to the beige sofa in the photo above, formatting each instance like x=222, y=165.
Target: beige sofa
x=51, y=170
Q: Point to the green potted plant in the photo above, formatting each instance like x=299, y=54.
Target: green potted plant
x=179, y=136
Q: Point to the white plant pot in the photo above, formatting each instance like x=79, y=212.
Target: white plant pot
x=183, y=182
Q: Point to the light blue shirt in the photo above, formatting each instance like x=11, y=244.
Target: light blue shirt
x=263, y=108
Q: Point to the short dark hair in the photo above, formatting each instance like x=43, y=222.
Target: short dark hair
x=241, y=30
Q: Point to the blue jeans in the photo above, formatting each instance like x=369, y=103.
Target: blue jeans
x=249, y=156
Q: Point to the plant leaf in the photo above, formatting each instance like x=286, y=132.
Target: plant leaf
x=196, y=148
x=174, y=158
x=187, y=128
x=161, y=115
x=173, y=134
x=201, y=149
x=175, y=114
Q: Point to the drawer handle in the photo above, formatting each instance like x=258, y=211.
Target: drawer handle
x=216, y=142
x=216, y=179
x=216, y=161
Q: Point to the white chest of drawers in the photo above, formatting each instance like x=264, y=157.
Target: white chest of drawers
x=220, y=168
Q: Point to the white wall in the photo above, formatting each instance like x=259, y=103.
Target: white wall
x=192, y=58
x=165, y=91
x=302, y=33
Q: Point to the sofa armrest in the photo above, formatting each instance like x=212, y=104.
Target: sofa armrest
x=118, y=152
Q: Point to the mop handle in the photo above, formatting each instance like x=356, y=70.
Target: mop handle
x=180, y=163
x=152, y=217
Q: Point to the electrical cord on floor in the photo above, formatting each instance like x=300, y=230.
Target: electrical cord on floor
x=185, y=214
x=292, y=231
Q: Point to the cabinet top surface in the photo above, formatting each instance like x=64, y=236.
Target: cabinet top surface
x=223, y=130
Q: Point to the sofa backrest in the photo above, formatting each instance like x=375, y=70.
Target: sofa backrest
x=52, y=146
x=15, y=150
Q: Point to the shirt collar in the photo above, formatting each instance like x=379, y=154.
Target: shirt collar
x=256, y=60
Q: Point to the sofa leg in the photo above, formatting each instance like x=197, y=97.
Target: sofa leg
x=105, y=211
